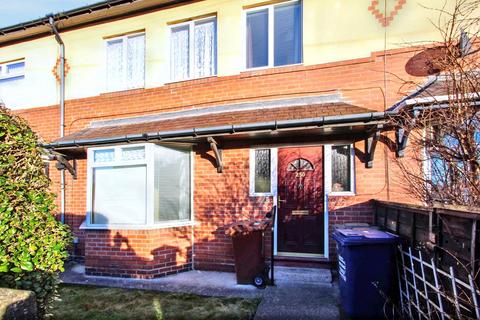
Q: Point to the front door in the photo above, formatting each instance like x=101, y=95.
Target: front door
x=300, y=201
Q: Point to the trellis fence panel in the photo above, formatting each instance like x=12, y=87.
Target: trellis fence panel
x=429, y=292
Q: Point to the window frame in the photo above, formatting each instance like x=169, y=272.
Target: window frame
x=6, y=76
x=273, y=173
x=191, y=45
x=328, y=170
x=271, y=35
x=124, y=38
x=149, y=162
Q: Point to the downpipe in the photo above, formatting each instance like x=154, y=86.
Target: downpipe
x=62, y=110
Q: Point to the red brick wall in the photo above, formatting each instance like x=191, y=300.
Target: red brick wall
x=360, y=81
x=138, y=253
x=221, y=198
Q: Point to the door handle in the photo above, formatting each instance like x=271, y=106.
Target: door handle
x=279, y=201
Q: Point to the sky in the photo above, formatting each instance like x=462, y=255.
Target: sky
x=17, y=11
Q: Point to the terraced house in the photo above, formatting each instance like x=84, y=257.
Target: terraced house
x=170, y=119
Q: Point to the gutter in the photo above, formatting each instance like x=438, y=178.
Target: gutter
x=64, y=15
x=227, y=129
x=85, y=10
x=59, y=40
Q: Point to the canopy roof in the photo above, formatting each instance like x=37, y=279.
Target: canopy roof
x=290, y=117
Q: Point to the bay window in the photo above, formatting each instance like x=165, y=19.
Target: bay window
x=138, y=185
x=274, y=35
x=193, y=49
x=126, y=62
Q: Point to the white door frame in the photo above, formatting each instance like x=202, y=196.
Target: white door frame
x=325, y=206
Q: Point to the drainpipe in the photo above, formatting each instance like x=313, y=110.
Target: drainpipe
x=62, y=110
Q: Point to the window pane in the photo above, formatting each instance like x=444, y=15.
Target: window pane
x=205, y=49
x=172, y=184
x=288, y=34
x=107, y=155
x=136, y=61
x=180, y=53
x=16, y=68
x=135, y=153
x=262, y=170
x=119, y=195
x=257, y=39
x=115, y=66
x=341, y=168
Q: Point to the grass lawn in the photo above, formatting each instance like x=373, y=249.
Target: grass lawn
x=100, y=303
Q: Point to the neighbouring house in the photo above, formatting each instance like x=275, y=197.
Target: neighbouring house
x=169, y=119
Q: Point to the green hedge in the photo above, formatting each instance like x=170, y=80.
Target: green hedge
x=33, y=244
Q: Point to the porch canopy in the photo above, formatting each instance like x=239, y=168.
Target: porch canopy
x=303, y=119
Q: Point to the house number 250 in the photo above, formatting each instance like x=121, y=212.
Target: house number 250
x=300, y=174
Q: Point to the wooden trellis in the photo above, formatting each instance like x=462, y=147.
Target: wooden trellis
x=428, y=292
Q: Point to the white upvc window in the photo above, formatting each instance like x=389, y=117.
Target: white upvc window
x=193, y=49
x=139, y=186
x=125, y=62
x=339, y=169
x=273, y=35
x=13, y=70
x=263, y=172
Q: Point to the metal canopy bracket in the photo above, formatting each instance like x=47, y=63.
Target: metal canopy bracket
x=217, y=152
x=370, y=145
x=402, y=139
x=62, y=164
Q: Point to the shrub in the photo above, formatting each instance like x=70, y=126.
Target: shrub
x=33, y=244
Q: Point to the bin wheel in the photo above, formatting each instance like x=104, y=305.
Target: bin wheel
x=259, y=281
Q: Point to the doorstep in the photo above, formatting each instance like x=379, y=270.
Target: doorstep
x=303, y=262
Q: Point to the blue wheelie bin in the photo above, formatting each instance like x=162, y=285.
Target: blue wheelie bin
x=366, y=267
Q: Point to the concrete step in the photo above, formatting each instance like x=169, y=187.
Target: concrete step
x=286, y=275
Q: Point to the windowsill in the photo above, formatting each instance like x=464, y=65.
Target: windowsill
x=165, y=225
x=272, y=69
x=342, y=194
x=12, y=76
x=261, y=194
x=122, y=91
x=189, y=79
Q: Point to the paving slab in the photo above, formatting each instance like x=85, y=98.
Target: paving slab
x=300, y=293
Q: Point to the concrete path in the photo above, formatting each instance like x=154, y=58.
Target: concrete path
x=300, y=293
x=205, y=283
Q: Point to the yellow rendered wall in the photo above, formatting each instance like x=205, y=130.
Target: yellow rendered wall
x=334, y=30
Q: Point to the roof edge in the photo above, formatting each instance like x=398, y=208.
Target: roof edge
x=65, y=15
x=225, y=130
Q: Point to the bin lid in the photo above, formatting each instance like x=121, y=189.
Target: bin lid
x=363, y=236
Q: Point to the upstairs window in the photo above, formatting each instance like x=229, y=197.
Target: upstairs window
x=126, y=62
x=274, y=35
x=14, y=70
x=193, y=49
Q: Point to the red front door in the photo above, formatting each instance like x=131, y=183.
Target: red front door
x=300, y=192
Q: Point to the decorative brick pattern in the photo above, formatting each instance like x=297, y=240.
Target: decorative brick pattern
x=56, y=69
x=383, y=18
